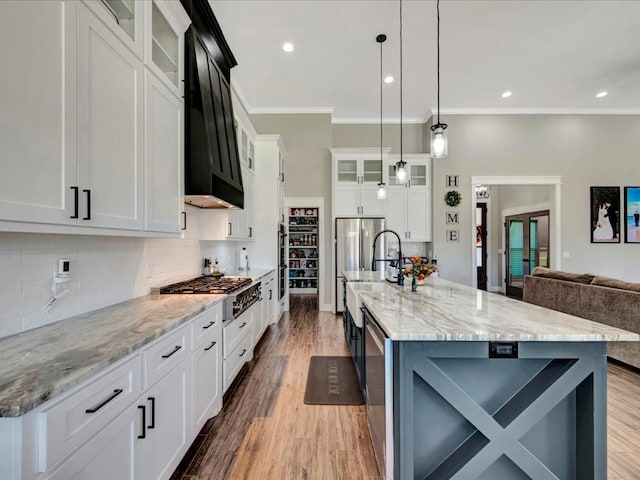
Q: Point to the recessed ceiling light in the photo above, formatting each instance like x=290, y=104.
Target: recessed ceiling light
x=507, y=94
x=287, y=47
x=388, y=79
x=602, y=94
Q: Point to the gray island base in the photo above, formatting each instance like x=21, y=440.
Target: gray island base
x=475, y=385
x=461, y=415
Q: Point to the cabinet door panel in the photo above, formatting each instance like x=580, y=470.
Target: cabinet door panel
x=419, y=219
x=37, y=95
x=207, y=380
x=110, y=127
x=346, y=201
x=114, y=453
x=396, y=210
x=369, y=201
x=163, y=167
x=167, y=441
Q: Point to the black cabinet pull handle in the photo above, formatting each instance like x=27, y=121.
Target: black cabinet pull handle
x=209, y=325
x=250, y=232
x=270, y=294
x=210, y=347
x=244, y=350
x=115, y=393
x=76, y=194
x=88, y=192
x=177, y=347
x=230, y=229
x=144, y=421
x=184, y=220
x=153, y=412
x=243, y=324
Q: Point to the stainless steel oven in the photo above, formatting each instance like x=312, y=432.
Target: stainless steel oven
x=379, y=393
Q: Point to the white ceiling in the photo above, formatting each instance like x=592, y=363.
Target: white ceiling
x=553, y=55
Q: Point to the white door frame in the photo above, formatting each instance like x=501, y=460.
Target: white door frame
x=555, y=212
x=312, y=202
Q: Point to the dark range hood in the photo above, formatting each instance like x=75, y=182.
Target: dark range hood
x=213, y=177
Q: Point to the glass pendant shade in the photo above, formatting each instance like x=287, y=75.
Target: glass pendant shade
x=382, y=192
x=401, y=172
x=439, y=146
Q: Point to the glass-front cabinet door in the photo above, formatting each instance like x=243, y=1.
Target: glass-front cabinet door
x=347, y=171
x=371, y=171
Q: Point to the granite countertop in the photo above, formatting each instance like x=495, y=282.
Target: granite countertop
x=253, y=273
x=42, y=363
x=445, y=311
x=363, y=276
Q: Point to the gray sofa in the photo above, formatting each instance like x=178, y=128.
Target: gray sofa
x=600, y=299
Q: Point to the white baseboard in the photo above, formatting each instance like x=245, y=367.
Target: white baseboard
x=326, y=307
x=495, y=288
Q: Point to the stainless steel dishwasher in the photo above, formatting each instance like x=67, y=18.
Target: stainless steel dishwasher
x=379, y=393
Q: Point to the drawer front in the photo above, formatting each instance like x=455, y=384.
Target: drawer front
x=234, y=332
x=236, y=359
x=72, y=420
x=165, y=354
x=205, y=324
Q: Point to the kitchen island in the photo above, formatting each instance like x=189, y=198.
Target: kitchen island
x=472, y=384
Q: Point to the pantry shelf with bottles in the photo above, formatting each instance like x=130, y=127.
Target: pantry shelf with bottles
x=303, y=250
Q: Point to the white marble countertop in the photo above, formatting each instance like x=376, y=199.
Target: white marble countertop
x=445, y=311
x=39, y=364
x=253, y=273
x=363, y=276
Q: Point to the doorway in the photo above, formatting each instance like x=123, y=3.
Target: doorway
x=527, y=246
x=481, y=245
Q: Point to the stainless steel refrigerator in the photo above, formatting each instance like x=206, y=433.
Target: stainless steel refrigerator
x=354, y=249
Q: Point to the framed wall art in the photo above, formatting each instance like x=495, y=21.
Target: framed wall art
x=605, y=215
x=632, y=214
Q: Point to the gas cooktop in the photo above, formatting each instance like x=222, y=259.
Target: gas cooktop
x=207, y=285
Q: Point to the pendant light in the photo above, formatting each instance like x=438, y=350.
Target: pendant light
x=401, y=166
x=439, y=147
x=382, y=192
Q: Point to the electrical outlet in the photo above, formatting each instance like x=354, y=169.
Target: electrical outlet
x=64, y=267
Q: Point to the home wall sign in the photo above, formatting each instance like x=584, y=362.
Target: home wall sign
x=453, y=198
x=453, y=236
x=453, y=218
x=451, y=181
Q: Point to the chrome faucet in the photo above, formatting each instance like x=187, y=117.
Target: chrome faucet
x=399, y=260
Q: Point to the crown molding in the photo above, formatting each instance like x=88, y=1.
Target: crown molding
x=376, y=121
x=536, y=111
x=290, y=110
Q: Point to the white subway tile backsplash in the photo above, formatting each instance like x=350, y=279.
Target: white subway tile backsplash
x=104, y=270
x=10, y=326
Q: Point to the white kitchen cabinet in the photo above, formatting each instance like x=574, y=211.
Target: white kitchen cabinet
x=75, y=148
x=408, y=205
x=37, y=94
x=231, y=223
x=356, y=174
x=110, y=130
x=168, y=418
x=125, y=18
x=164, y=144
x=165, y=24
x=116, y=452
x=206, y=366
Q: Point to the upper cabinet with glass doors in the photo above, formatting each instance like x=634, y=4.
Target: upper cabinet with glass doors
x=356, y=174
x=126, y=20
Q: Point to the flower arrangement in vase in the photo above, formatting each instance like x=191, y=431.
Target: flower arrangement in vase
x=421, y=268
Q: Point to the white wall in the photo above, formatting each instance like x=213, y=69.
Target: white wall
x=104, y=271
x=585, y=150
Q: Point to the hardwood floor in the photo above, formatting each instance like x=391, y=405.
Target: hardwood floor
x=265, y=431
